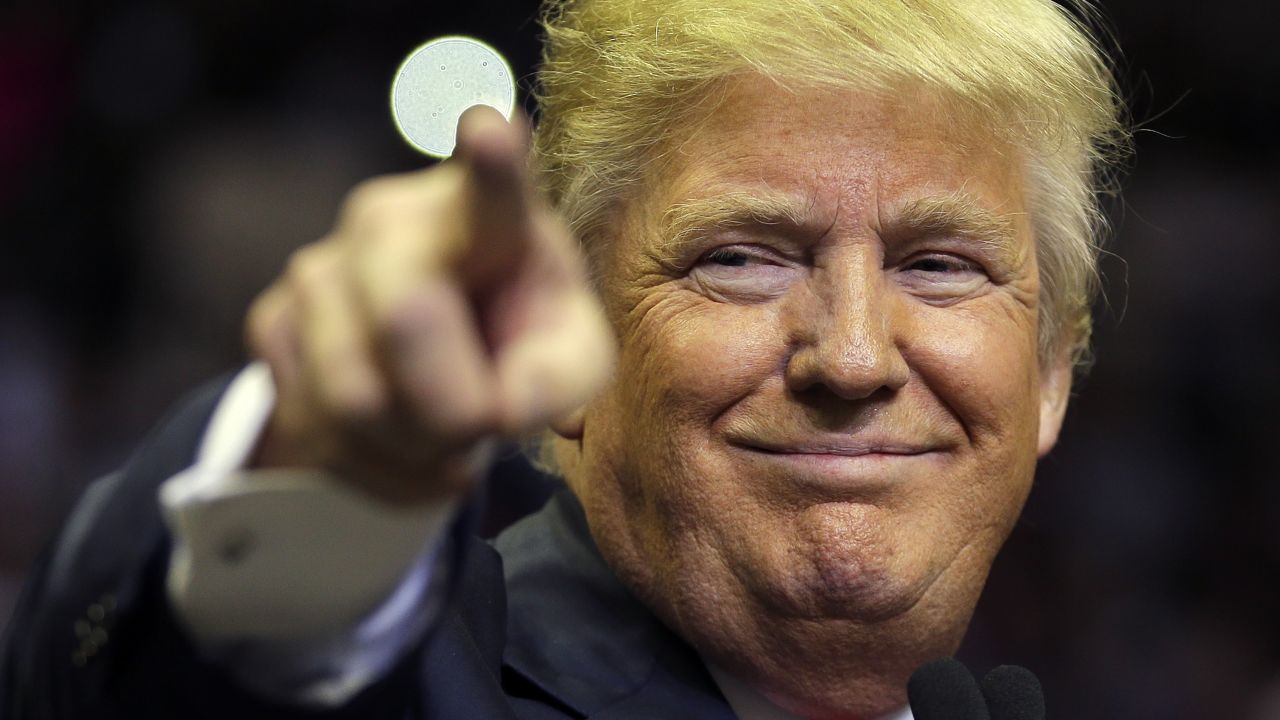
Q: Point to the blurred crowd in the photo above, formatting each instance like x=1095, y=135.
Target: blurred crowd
x=158, y=162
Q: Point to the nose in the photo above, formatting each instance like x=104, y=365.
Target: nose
x=848, y=334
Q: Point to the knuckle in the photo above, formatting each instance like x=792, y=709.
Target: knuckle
x=262, y=312
x=366, y=196
x=257, y=326
x=404, y=321
x=301, y=264
x=353, y=405
x=390, y=332
x=348, y=389
x=457, y=426
x=312, y=265
x=416, y=317
x=265, y=320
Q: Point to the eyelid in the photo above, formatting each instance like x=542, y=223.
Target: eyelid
x=756, y=251
x=995, y=260
x=731, y=250
x=966, y=262
x=949, y=257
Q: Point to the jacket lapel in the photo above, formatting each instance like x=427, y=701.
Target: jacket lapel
x=575, y=633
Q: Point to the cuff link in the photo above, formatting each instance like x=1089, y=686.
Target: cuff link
x=235, y=547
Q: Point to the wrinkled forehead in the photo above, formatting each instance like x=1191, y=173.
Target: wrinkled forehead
x=808, y=155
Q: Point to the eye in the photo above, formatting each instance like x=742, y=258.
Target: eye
x=940, y=276
x=744, y=273
x=727, y=258
x=943, y=264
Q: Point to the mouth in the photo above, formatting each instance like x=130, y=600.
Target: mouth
x=842, y=451
x=839, y=447
x=845, y=464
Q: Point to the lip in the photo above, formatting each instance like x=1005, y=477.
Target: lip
x=843, y=465
x=842, y=460
x=845, y=452
x=843, y=448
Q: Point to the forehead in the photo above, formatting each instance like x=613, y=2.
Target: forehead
x=838, y=153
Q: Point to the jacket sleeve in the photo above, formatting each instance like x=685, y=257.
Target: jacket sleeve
x=94, y=635
x=304, y=588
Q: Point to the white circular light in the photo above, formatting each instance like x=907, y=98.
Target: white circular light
x=439, y=81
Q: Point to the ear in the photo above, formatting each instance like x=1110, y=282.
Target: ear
x=572, y=425
x=1055, y=392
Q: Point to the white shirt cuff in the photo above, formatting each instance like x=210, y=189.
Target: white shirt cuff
x=307, y=588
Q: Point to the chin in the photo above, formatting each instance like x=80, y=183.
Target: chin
x=864, y=594
x=842, y=588
x=847, y=562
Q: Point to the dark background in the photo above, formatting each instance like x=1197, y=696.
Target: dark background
x=158, y=162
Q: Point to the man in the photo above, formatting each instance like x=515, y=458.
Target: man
x=846, y=253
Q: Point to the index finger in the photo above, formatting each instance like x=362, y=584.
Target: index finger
x=497, y=193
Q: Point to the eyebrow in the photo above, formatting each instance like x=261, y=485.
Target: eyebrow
x=683, y=222
x=959, y=214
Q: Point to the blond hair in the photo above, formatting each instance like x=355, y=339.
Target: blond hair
x=618, y=77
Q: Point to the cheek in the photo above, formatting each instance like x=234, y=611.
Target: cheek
x=688, y=360
x=981, y=364
x=683, y=363
x=654, y=484
x=981, y=372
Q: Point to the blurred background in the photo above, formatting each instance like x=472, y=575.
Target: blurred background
x=158, y=161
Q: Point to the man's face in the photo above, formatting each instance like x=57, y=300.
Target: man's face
x=827, y=413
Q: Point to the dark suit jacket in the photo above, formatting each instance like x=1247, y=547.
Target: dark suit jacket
x=538, y=627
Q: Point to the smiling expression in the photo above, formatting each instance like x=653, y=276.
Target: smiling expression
x=828, y=404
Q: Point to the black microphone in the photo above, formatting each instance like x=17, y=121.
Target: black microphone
x=944, y=689
x=1013, y=693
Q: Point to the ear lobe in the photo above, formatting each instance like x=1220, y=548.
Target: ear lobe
x=570, y=426
x=1055, y=392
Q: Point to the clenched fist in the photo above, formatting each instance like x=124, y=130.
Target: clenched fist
x=446, y=307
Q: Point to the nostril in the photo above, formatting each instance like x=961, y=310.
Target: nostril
x=852, y=375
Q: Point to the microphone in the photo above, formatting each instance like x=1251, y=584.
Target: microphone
x=1013, y=693
x=944, y=689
